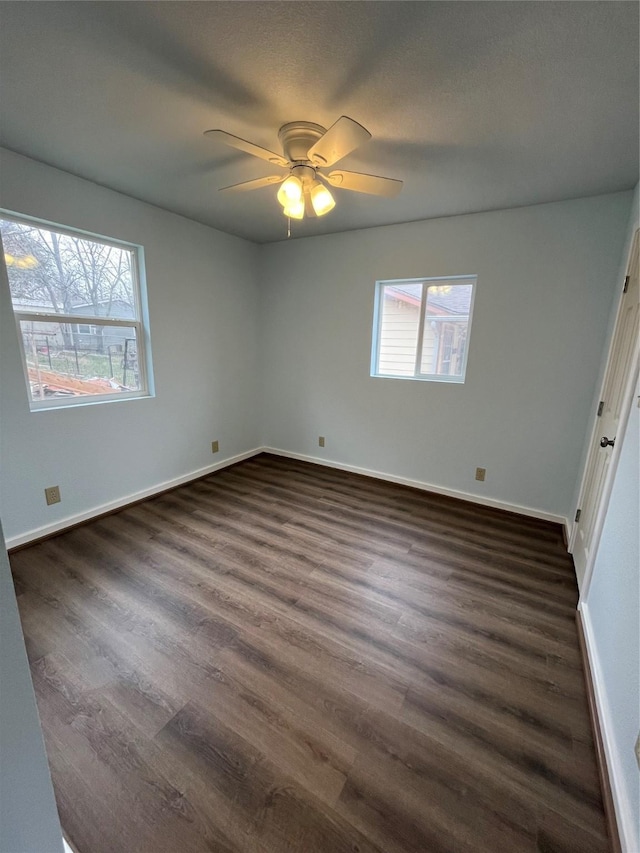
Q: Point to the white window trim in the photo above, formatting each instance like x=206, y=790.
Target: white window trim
x=140, y=325
x=425, y=283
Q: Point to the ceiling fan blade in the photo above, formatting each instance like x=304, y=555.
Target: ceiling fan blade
x=247, y=147
x=254, y=185
x=341, y=138
x=360, y=183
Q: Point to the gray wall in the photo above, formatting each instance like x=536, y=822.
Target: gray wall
x=545, y=284
x=202, y=292
x=28, y=816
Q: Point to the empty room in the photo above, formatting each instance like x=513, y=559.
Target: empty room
x=319, y=427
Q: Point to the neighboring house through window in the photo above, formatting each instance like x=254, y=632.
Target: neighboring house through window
x=78, y=304
x=421, y=328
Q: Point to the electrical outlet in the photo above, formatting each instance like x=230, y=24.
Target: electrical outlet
x=52, y=495
x=481, y=473
x=215, y=446
x=320, y=441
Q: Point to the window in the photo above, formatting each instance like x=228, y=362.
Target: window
x=77, y=302
x=84, y=329
x=421, y=328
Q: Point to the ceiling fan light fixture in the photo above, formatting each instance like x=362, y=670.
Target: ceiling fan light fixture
x=321, y=199
x=308, y=150
x=294, y=209
x=290, y=191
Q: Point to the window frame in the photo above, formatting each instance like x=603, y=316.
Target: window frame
x=140, y=324
x=456, y=280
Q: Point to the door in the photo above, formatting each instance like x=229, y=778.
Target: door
x=615, y=399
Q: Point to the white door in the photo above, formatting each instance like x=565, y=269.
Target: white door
x=616, y=391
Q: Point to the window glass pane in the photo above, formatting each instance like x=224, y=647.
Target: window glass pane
x=400, y=317
x=64, y=360
x=55, y=273
x=446, y=328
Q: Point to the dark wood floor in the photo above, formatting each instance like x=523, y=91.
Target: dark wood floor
x=282, y=657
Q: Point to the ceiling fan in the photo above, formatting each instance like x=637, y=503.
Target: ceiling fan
x=309, y=151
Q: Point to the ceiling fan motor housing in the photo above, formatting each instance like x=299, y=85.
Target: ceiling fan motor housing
x=296, y=139
x=307, y=174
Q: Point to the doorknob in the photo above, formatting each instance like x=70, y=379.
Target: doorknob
x=607, y=442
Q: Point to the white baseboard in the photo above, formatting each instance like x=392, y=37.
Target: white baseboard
x=629, y=840
x=71, y=520
x=427, y=487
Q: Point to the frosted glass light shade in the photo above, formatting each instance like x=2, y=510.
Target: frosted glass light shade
x=290, y=191
x=321, y=199
x=295, y=209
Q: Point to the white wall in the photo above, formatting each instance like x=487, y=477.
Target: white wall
x=202, y=292
x=545, y=283
x=28, y=816
x=611, y=614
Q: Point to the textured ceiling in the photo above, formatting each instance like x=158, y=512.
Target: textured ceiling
x=476, y=106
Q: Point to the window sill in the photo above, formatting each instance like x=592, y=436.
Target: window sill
x=450, y=380
x=77, y=402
